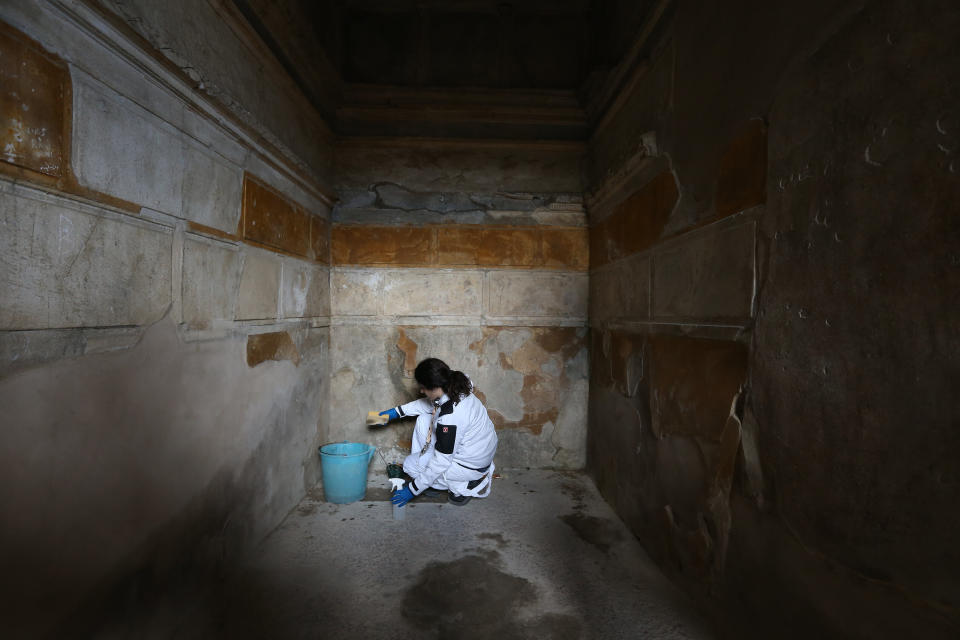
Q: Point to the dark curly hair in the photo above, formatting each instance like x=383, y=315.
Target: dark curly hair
x=432, y=373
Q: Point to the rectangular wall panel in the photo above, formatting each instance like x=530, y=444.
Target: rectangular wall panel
x=67, y=265
x=428, y=293
x=259, y=286
x=211, y=275
x=708, y=276
x=517, y=293
x=34, y=89
x=271, y=219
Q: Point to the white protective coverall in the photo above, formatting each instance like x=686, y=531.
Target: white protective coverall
x=453, y=446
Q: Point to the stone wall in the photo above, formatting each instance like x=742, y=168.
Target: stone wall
x=475, y=253
x=164, y=325
x=216, y=49
x=773, y=275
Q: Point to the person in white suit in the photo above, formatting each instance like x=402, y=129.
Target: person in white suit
x=454, y=440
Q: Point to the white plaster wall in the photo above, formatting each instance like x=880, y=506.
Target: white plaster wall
x=211, y=276
x=368, y=373
x=497, y=325
x=134, y=429
x=67, y=264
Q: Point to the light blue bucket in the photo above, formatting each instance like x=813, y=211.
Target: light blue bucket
x=344, y=466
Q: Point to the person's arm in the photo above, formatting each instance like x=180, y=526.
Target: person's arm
x=444, y=446
x=414, y=408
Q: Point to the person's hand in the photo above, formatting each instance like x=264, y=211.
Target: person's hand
x=390, y=413
x=402, y=496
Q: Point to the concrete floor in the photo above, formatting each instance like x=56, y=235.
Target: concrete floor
x=543, y=557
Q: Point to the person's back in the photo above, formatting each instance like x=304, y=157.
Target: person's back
x=476, y=441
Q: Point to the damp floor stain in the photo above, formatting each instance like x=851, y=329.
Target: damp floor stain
x=505, y=568
x=471, y=598
x=494, y=537
x=599, y=532
x=575, y=492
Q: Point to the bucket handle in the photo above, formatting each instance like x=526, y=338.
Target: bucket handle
x=373, y=449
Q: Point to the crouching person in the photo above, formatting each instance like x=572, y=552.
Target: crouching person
x=454, y=440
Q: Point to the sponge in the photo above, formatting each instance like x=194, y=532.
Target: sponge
x=373, y=418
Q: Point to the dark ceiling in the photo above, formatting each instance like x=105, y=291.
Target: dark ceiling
x=424, y=53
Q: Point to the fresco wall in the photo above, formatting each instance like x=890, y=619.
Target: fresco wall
x=772, y=280
x=475, y=253
x=164, y=325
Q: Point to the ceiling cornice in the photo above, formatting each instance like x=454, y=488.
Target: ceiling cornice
x=467, y=113
x=607, y=99
x=399, y=142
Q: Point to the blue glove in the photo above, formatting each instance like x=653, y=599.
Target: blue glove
x=390, y=413
x=402, y=496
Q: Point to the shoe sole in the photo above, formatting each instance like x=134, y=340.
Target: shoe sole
x=458, y=502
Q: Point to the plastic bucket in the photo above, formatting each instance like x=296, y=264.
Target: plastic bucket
x=344, y=466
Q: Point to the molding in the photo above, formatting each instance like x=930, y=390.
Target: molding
x=474, y=114
x=455, y=321
x=429, y=270
x=358, y=94
x=645, y=159
x=319, y=81
x=538, y=7
x=416, y=142
x=529, y=321
x=557, y=114
x=80, y=204
x=609, y=98
x=266, y=325
x=242, y=329
x=733, y=332
x=119, y=38
x=238, y=24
